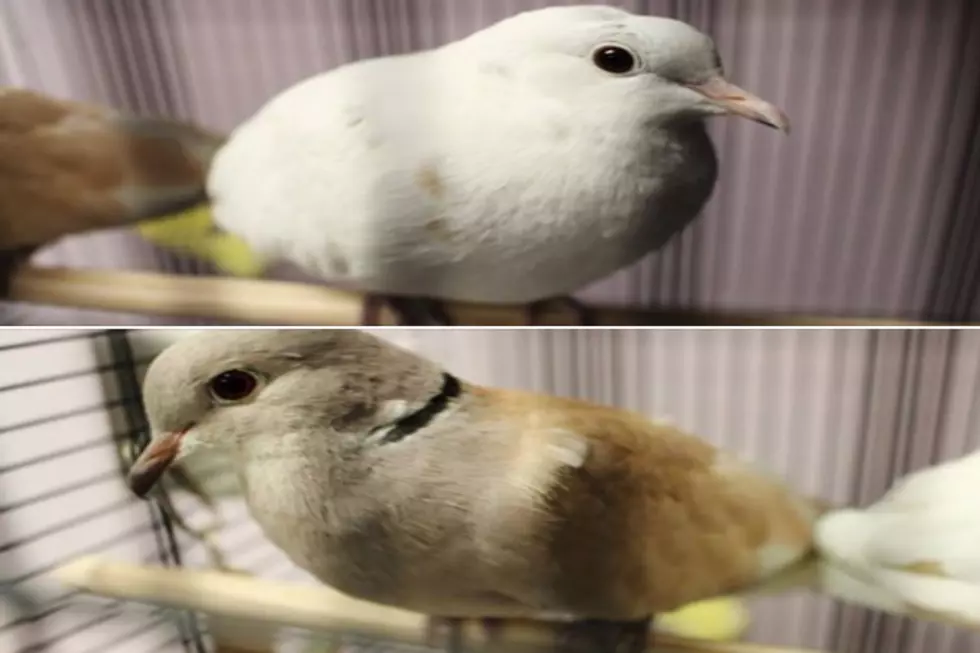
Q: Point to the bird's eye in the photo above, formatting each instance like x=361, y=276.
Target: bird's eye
x=614, y=59
x=233, y=385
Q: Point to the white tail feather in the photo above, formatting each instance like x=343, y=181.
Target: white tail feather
x=916, y=552
x=835, y=581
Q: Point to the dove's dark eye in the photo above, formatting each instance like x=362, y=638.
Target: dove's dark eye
x=233, y=385
x=614, y=59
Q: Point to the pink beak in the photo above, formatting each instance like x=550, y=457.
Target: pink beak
x=740, y=102
x=153, y=462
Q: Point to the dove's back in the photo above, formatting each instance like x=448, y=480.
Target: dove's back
x=438, y=174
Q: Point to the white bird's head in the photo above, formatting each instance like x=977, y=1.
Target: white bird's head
x=665, y=68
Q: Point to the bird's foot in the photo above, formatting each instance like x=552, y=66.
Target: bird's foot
x=411, y=311
x=598, y=636
x=583, y=315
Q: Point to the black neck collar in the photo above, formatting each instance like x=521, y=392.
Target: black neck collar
x=418, y=420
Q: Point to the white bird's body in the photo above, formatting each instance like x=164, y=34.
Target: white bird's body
x=463, y=173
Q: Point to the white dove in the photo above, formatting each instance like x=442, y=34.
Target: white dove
x=516, y=165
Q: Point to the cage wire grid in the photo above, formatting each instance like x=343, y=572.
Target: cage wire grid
x=81, y=499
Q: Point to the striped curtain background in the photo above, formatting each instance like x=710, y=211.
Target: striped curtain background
x=870, y=207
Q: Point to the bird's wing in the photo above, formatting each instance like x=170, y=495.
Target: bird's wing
x=661, y=518
x=918, y=548
x=68, y=167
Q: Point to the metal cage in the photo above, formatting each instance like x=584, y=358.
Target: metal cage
x=100, y=395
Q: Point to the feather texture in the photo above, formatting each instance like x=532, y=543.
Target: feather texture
x=503, y=167
x=68, y=167
x=511, y=503
x=920, y=543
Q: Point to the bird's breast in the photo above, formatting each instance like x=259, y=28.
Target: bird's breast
x=416, y=554
x=352, y=555
x=552, y=219
x=578, y=216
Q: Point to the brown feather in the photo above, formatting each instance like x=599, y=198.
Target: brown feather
x=68, y=167
x=655, y=518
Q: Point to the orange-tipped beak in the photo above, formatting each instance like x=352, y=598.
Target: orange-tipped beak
x=740, y=102
x=153, y=462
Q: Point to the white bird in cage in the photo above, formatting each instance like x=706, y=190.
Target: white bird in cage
x=391, y=480
x=517, y=165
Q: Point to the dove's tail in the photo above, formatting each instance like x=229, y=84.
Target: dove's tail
x=924, y=563
x=167, y=166
x=87, y=168
x=915, y=552
x=168, y=199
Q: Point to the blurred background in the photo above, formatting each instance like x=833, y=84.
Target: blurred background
x=869, y=208
x=841, y=414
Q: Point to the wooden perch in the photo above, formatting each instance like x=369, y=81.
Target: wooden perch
x=311, y=607
x=281, y=303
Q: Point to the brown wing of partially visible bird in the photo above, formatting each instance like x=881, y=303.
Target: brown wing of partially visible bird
x=68, y=167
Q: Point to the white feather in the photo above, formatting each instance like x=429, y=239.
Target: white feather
x=951, y=598
x=919, y=547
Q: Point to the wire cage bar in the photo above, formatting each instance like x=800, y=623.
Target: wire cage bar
x=85, y=510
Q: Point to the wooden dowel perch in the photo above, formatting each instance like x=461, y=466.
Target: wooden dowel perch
x=311, y=607
x=284, y=303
